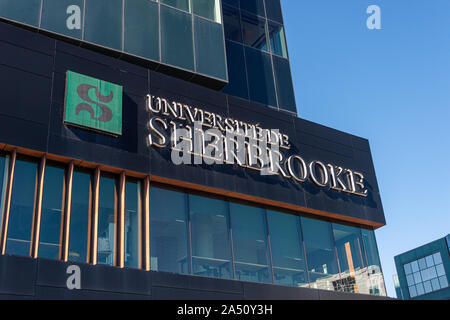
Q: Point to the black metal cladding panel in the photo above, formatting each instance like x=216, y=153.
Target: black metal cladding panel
x=31, y=116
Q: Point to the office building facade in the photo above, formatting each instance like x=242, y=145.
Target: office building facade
x=423, y=272
x=155, y=147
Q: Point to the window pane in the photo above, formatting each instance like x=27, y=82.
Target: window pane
x=410, y=279
x=260, y=77
x=106, y=221
x=103, y=23
x=132, y=223
x=277, y=39
x=237, y=77
x=435, y=284
x=422, y=264
x=440, y=270
x=22, y=206
x=283, y=81
x=180, y=4
x=176, y=33
x=432, y=272
x=407, y=268
x=4, y=168
x=209, y=48
x=211, y=247
x=429, y=261
x=253, y=6
x=61, y=16
x=427, y=286
x=437, y=258
x=273, y=10
x=79, y=216
x=232, y=24
x=425, y=274
x=251, y=254
x=420, y=289
x=412, y=291
x=25, y=11
x=373, y=261
x=168, y=231
x=443, y=282
x=415, y=266
x=287, y=249
x=320, y=254
x=254, y=32
x=417, y=278
x=51, y=214
x=142, y=29
x=209, y=9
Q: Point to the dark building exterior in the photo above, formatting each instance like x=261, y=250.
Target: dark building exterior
x=423, y=272
x=155, y=147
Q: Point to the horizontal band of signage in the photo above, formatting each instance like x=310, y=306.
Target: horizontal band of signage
x=196, y=187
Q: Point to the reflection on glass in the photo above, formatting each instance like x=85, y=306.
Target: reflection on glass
x=251, y=254
x=254, y=32
x=179, y=4
x=287, y=250
x=107, y=203
x=22, y=206
x=54, y=17
x=132, y=223
x=79, y=216
x=348, y=245
x=277, y=39
x=253, y=6
x=232, y=24
x=273, y=10
x=237, y=77
x=4, y=167
x=168, y=231
x=209, y=9
x=211, y=248
x=320, y=254
x=376, y=278
x=51, y=213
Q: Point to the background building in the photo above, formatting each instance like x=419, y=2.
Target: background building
x=96, y=92
x=423, y=272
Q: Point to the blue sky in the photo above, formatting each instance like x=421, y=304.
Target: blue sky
x=391, y=86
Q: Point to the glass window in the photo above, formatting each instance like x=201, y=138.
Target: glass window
x=22, y=207
x=168, y=231
x=427, y=286
x=254, y=6
x=209, y=48
x=437, y=258
x=430, y=261
x=373, y=261
x=283, y=81
x=63, y=17
x=234, y=3
x=51, y=213
x=179, y=4
x=415, y=266
x=211, y=247
x=410, y=279
x=232, y=24
x=435, y=284
x=425, y=274
x=412, y=291
x=320, y=254
x=422, y=264
x=417, y=278
x=432, y=272
x=260, y=77
x=443, y=282
x=277, y=39
x=420, y=289
x=209, y=9
x=132, y=222
x=237, y=77
x=254, y=32
x=79, y=216
x=141, y=34
x=103, y=23
x=25, y=11
x=251, y=255
x=4, y=168
x=407, y=268
x=440, y=270
x=107, y=204
x=273, y=10
x=176, y=35
x=287, y=249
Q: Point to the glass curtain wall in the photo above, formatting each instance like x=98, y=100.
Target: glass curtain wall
x=133, y=213
x=107, y=219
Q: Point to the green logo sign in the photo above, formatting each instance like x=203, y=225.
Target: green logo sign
x=93, y=103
